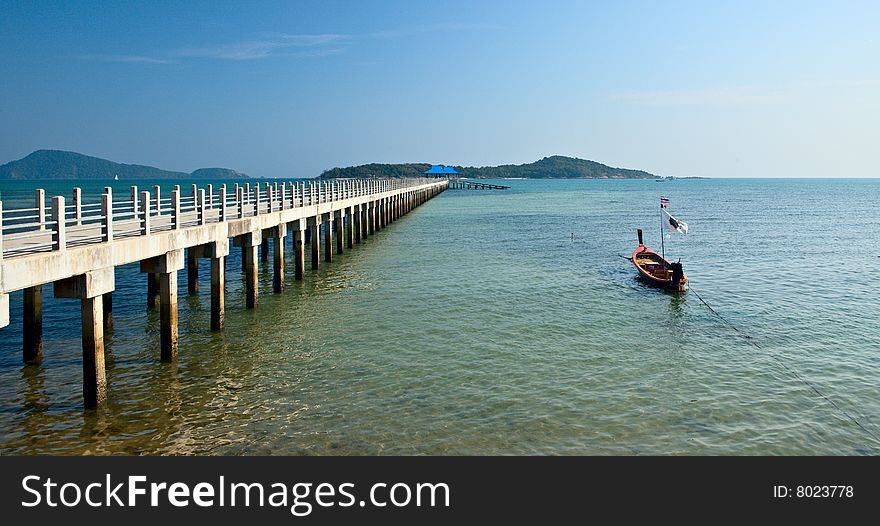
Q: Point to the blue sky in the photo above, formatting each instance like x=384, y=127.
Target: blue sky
x=287, y=89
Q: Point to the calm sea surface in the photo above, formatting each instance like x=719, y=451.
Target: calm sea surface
x=478, y=325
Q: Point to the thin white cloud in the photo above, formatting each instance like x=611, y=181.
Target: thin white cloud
x=284, y=45
x=721, y=96
x=133, y=59
x=265, y=47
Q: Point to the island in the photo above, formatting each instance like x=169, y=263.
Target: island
x=58, y=164
x=554, y=167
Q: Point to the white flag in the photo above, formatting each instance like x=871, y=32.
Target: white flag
x=673, y=224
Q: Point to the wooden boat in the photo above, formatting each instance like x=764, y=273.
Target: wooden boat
x=657, y=270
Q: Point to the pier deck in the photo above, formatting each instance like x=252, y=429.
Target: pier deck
x=475, y=185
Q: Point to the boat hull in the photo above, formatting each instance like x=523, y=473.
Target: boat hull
x=658, y=271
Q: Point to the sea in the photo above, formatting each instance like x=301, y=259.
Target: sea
x=498, y=322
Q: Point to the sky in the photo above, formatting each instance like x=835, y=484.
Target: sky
x=288, y=89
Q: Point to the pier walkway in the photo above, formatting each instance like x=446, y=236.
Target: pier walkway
x=76, y=247
x=475, y=185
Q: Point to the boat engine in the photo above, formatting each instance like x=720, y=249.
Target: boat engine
x=677, y=272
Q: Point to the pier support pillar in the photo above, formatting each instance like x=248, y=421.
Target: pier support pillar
x=328, y=237
x=349, y=227
x=192, y=272
x=166, y=267
x=358, y=223
x=107, y=302
x=94, y=371
x=168, y=315
x=338, y=219
x=299, y=256
x=315, y=238
x=278, y=235
x=90, y=288
x=377, y=216
x=218, y=292
x=371, y=217
x=217, y=252
x=32, y=325
x=252, y=285
x=379, y=213
x=250, y=244
x=152, y=290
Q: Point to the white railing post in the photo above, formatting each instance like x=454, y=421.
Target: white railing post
x=257, y=199
x=210, y=195
x=134, y=201
x=107, y=215
x=145, y=213
x=40, y=202
x=59, y=229
x=200, y=207
x=157, y=198
x=270, y=196
x=175, y=208
x=77, y=206
x=222, y=202
x=283, y=194
x=239, y=197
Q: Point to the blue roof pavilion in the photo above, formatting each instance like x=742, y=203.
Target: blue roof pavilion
x=439, y=169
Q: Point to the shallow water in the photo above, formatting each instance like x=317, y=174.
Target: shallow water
x=477, y=325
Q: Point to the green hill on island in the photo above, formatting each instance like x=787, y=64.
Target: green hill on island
x=555, y=167
x=57, y=164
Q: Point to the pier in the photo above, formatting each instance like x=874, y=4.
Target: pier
x=474, y=185
x=76, y=247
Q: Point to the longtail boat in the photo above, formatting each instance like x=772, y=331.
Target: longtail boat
x=657, y=270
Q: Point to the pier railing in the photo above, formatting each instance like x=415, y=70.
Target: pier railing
x=55, y=224
x=76, y=247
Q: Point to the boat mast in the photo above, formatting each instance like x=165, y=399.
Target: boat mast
x=662, y=242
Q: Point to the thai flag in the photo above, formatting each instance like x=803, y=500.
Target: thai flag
x=664, y=201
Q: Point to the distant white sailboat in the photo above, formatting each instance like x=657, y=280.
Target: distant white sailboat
x=116, y=177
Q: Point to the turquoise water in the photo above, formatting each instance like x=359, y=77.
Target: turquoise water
x=478, y=325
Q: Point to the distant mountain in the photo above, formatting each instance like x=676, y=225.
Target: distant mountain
x=216, y=173
x=57, y=164
x=555, y=167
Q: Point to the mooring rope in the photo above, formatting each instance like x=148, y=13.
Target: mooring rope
x=785, y=366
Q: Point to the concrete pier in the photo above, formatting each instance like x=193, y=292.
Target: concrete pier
x=315, y=238
x=90, y=288
x=77, y=248
x=278, y=235
x=328, y=237
x=107, y=302
x=349, y=229
x=192, y=272
x=358, y=223
x=32, y=328
x=152, y=290
x=338, y=219
x=218, y=292
x=250, y=243
x=299, y=255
